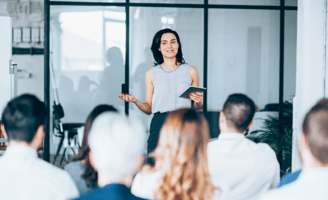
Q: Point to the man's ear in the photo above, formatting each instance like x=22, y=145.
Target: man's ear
x=39, y=135
x=302, y=144
x=250, y=124
x=222, y=117
x=3, y=131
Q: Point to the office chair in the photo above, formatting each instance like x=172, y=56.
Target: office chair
x=66, y=131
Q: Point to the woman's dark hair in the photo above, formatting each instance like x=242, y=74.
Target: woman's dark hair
x=89, y=174
x=157, y=43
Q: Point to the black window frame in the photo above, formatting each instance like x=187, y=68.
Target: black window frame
x=206, y=6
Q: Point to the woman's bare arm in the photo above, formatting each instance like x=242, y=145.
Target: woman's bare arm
x=146, y=106
x=197, y=97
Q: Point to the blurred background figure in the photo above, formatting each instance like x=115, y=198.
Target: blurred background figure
x=23, y=174
x=80, y=169
x=180, y=170
x=117, y=147
x=111, y=79
x=248, y=168
x=312, y=182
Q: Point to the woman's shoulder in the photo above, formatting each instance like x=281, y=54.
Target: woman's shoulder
x=147, y=177
x=144, y=184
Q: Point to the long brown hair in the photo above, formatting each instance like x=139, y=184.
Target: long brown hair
x=89, y=174
x=181, y=157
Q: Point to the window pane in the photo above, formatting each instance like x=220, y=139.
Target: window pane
x=169, y=1
x=246, y=2
x=144, y=23
x=243, y=56
x=290, y=55
x=92, y=0
x=290, y=2
x=88, y=50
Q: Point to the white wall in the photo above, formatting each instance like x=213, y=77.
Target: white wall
x=310, y=65
x=5, y=55
x=35, y=66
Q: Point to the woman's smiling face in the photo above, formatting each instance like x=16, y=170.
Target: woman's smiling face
x=169, y=45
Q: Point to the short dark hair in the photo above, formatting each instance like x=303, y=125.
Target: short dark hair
x=23, y=116
x=315, y=129
x=157, y=43
x=239, y=110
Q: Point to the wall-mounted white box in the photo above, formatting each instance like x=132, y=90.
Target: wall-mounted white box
x=26, y=35
x=17, y=35
x=35, y=34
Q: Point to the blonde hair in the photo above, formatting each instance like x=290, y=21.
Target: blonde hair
x=181, y=157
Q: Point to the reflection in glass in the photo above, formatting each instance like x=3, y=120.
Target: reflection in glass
x=144, y=23
x=290, y=2
x=243, y=56
x=88, y=48
x=290, y=55
x=246, y=2
x=169, y=1
x=92, y=0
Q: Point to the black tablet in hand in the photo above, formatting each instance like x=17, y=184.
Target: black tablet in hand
x=191, y=89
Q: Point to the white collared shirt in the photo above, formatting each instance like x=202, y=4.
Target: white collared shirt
x=248, y=168
x=24, y=176
x=311, y=184
x=145, y=184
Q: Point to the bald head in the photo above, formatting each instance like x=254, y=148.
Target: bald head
x=315, y=129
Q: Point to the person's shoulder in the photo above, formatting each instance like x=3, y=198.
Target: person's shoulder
x=264, y=148
x=146, y=178
x=56, y=177
x=283, y=193
x=52, y=173
x=150, y=72
x=192, y=69
x=212, y=144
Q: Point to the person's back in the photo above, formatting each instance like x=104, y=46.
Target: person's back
x=248, y=168
x=312, y=182
x=116, y=148
x=23, y=174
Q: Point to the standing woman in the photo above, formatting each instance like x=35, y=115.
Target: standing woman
x=165, y=82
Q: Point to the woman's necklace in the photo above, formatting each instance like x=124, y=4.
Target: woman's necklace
x=169, y=71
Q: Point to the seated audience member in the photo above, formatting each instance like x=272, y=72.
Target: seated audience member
x=312, y=182
x=248, y=168
x=84, y=176
x=116, y=152
x=180, y=170
x=23, y=175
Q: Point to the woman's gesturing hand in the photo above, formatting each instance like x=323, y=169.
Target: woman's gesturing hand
x=128, y=98
x=196, y=96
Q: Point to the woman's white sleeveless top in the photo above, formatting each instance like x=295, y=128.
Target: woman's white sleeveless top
x=168, y=85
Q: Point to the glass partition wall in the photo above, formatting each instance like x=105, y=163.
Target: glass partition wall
x=100, y=49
